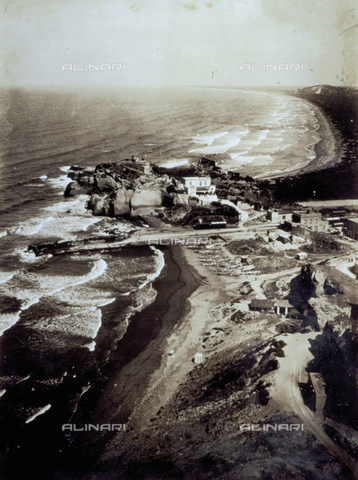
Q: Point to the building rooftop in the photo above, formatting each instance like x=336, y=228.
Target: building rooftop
x=283, y=303
x=282, y=211
x=196, y=178
x=262, y=303
x=354, y=220
x=306, y=212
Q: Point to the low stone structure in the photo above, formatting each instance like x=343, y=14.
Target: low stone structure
x=319, y=387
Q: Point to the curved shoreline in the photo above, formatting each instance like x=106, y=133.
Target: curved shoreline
x=328, y=150
x=139, y=352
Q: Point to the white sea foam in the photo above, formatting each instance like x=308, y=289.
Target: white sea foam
x=60, y=182
x=30, y=227
x=91, y=346
x=30, y=287
x=218, y=143
x=7, y=320
x=65, y=169
x=84, y=323
x=160, y=263
x=76, y=205
x=60, y=219
x=84, y=296
x=175, y=163
x=39, y=412
x=3, y=234
x=30, y=257
x=209, y=138
x=5, y=276
x=64, y=226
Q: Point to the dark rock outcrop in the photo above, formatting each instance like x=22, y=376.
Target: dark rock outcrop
x=312, y=279
x=73, y=189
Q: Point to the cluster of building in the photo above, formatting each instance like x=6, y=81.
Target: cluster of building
x=296, y=221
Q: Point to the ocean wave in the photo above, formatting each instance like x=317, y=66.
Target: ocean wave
x=61, y=220
x=158, y=267
x=39, y=412
x=76, y=205
x=3, y=234
x=223, y=142
x=175, y=163
x=84, y=324
x=7, y=320
x=209, y=138
x=5, y=276
x=67, y=227
x=30, y=287
x=160, y=263
x=30, y=227
x=60, y=182
x=29, y=257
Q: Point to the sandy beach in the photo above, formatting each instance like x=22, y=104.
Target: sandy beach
x=158, y=349
x=142, y=352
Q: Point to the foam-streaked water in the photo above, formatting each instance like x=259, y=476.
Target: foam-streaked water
x=51, y=307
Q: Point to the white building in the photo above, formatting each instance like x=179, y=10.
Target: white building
x=198, y=358
x=198, y=186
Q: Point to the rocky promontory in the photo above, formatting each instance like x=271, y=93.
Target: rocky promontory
x=134, y=187
x=127, y=188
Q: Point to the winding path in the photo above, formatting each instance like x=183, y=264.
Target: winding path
x=287, y=394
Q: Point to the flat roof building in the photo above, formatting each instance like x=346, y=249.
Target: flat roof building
x=198, y=185
x=310, y=219
x=352, y=228
x=279, y=216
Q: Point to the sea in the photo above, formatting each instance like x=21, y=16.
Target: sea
x=57, y=327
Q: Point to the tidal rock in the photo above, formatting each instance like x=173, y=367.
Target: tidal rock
x=121, y=203
x=105, y=183
x=99, y=204
x=73, y=189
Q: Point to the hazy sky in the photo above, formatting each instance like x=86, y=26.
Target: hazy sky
x=170, y=42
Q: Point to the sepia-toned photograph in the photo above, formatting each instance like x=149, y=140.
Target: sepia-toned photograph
x=178, y=240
